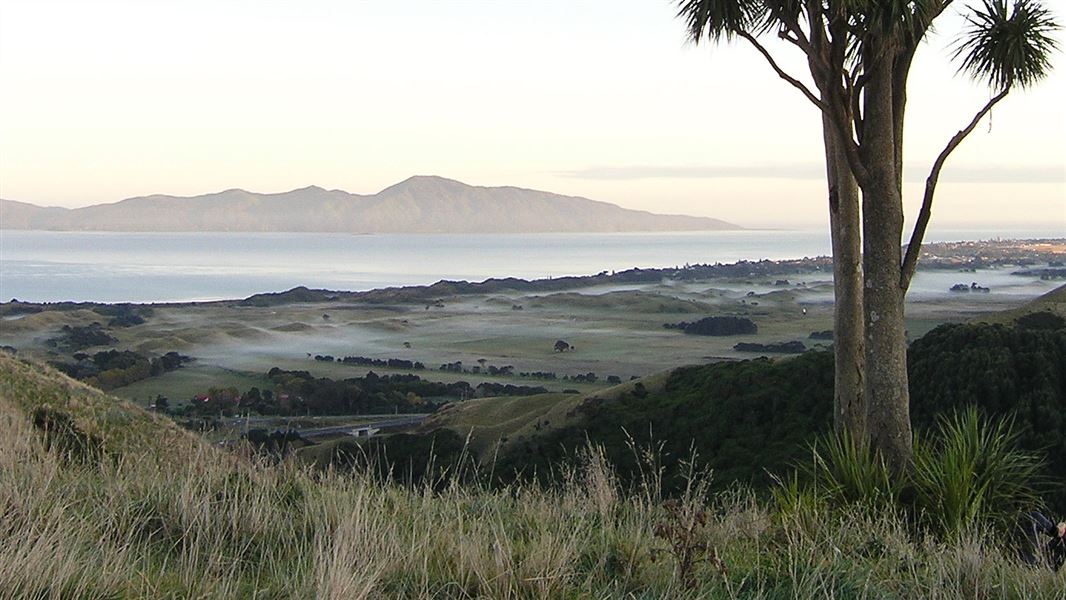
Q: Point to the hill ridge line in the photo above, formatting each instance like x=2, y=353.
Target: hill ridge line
x=418, y=204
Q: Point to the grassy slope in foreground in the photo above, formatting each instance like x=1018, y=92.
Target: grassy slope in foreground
x=39, y=392
x=164, y=516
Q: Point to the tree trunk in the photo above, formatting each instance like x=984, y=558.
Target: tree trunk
x=849, y=410
x=887, y=396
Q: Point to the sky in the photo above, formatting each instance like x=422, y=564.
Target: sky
x=605, y=99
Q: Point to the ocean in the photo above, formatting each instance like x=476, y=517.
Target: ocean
x=44, y=266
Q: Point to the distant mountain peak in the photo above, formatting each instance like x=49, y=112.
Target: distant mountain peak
x=426, y=183
x=433, y=179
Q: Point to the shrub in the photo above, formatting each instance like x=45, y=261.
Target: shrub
x=967, y=475
x=846, y=471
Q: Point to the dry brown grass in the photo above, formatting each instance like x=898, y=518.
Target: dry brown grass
x=165, y=516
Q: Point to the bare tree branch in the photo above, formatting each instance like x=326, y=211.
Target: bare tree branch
x=914, y=247
x=853, y=91
x=792, y=26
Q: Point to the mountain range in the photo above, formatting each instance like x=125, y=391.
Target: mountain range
x=420, y=204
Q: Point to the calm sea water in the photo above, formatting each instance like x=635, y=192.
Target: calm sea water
x=158, y=267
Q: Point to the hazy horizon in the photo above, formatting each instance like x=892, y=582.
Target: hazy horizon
x=120, y=99
x=1001, y=224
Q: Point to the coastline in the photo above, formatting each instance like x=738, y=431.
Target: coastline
x=1049, y=253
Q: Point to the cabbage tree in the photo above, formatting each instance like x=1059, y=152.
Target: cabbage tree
x=859, y=54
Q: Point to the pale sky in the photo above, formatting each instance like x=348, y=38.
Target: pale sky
x=109, y=99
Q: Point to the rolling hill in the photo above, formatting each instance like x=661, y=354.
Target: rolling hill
x=421, y=204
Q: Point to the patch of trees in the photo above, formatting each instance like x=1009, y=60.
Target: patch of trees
x=481, y=369
x=391, y=363
x=124, y=315
x=219, y=401
x=717, y=326
x=822, y=335
x=112, y=369
x=973, y=287
x=550, y=375
x=300, y=393
x=79, y=337
x=793, y=347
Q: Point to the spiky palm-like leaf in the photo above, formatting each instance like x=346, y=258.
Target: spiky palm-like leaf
x=715, y=19
x=972, y=471
x=1008, y=44
x=848, y=471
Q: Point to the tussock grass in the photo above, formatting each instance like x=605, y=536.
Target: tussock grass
x=165, y=516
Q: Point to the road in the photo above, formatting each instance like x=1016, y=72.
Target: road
x=409, y=421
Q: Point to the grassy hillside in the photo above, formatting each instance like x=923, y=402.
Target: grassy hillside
x=1053, y=302
x=161, y=515
x=113, y=427
x=497, y=426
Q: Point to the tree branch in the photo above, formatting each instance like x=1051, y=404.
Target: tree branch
x=829, y=40
x=842, y=123
x=919, y=33
x=914, y=247
x=792, y=25
x=802, y=44
x=780, y=72
x=856, y=106
x=818, y=58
